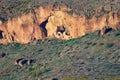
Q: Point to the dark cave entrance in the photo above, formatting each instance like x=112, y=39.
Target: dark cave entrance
x=1, y=34
x=108, y=30
x=43, y=26
x=60, y=29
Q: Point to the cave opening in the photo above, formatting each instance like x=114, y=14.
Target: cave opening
x=60, y=29
x=43, y=27
x=1, y=34
x=108, y=30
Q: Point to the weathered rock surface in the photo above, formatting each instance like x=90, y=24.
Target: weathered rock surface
x=49, y=22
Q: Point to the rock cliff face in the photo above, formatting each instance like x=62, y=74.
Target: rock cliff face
x=49, y=22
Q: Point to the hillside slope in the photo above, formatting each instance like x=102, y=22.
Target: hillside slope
x=60, y=40
x=91, y=57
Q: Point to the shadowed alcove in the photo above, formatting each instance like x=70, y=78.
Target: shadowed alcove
x=43, y=26
x=1, y=34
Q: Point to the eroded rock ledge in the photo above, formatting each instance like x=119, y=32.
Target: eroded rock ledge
x=49, y=22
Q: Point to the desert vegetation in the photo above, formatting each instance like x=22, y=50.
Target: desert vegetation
x=90, y=57
x=15, y=8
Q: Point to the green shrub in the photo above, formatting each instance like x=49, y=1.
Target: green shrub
x=94, y=44
x=101, y=44
x=109, y=45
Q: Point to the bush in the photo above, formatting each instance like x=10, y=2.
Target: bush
x=109, y=45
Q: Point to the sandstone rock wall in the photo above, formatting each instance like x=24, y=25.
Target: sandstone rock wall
x=49, y=22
